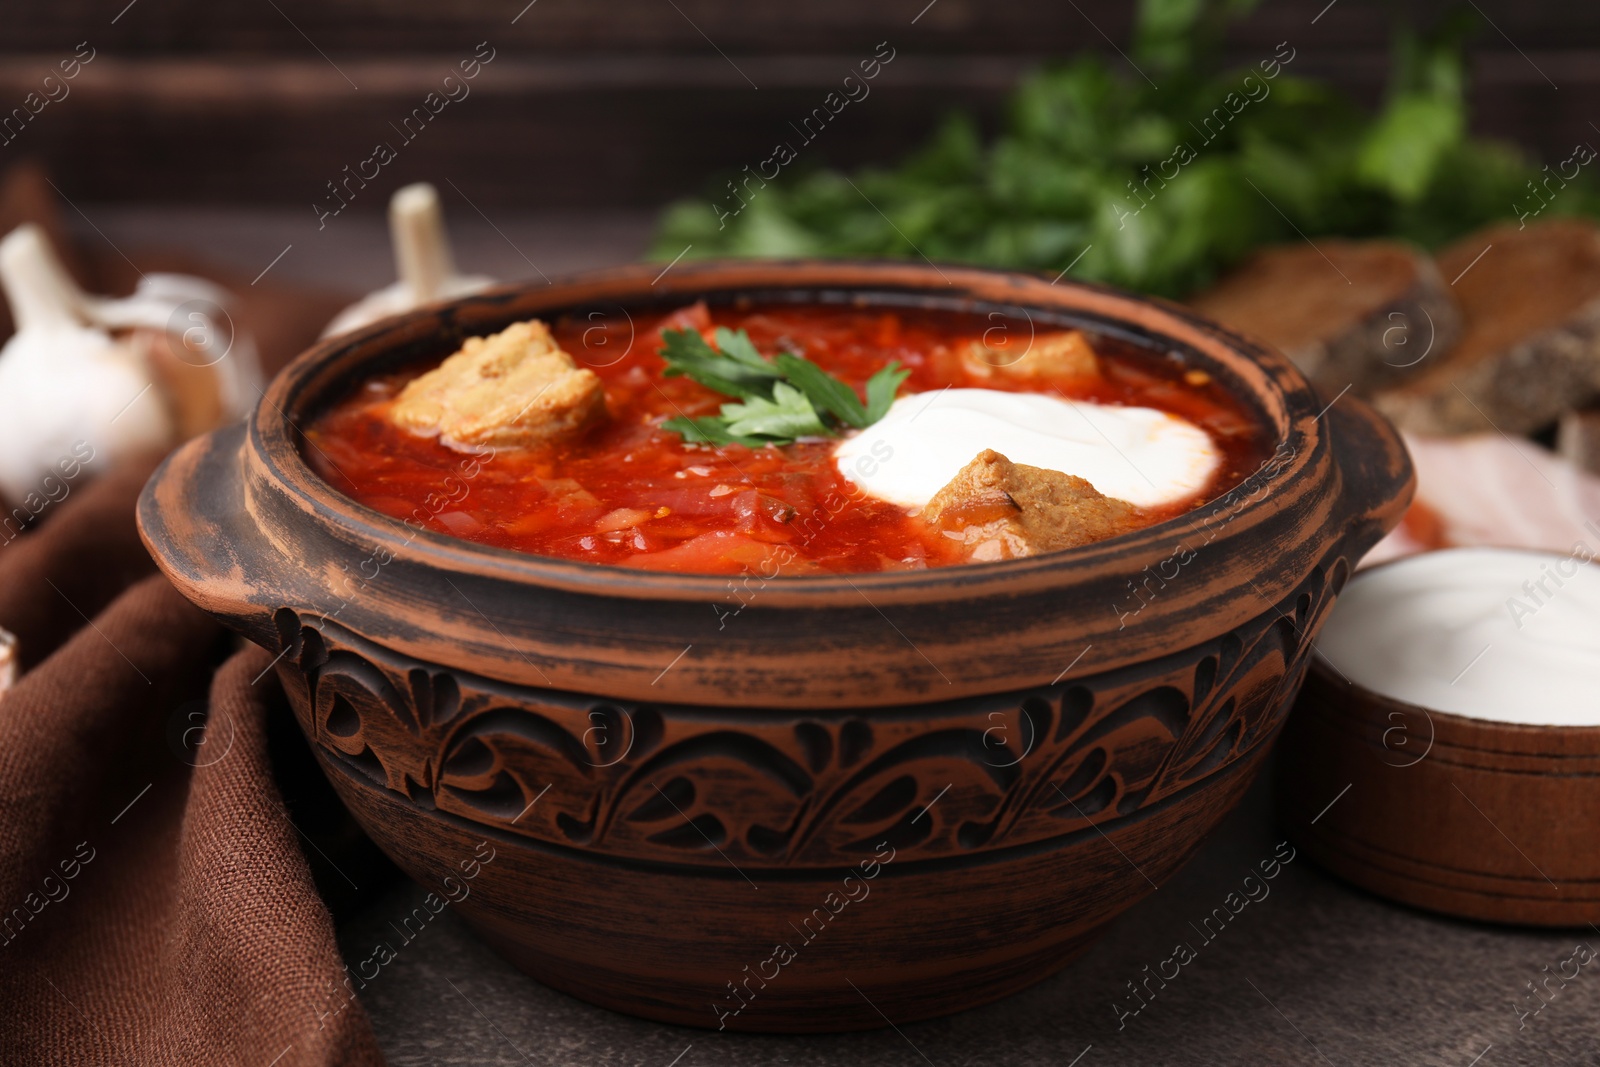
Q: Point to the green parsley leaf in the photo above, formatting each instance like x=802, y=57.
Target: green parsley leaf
x=787, y=415
x=736, y=344
x=1158, y=184
x=782, y=399
x=1403, y=150
x=825, y=392
x=709, y=430
x=881, y=388
x=687, y=354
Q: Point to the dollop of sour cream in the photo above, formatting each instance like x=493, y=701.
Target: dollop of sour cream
x=1144, y=456
x=1500, y=634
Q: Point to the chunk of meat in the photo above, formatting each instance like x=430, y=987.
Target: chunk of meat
x=514, y=389
x=1002, y=510
x=1057, y=354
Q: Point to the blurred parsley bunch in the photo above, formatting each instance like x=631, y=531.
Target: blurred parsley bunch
x=1086, y=150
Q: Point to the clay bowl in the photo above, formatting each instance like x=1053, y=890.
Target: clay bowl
x=1472, y=818
x=881, y=797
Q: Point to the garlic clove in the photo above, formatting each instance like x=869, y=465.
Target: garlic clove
x=40, y=291
x=193, y=390
x=202, y=353
x=71, y=391
x=8, y=660
x=422, y=259
x=92, y=380
x=421, y=250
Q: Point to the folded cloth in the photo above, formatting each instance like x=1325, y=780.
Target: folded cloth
x=157, y=907
x=85, y=552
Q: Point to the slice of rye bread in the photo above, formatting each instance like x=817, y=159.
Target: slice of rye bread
x=1530, y=343
x=1348, y=313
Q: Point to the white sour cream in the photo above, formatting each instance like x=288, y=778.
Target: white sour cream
x=1489, y=633
x=1141, y=455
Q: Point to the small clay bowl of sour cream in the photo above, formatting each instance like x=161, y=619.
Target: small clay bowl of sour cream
x=1445, y=751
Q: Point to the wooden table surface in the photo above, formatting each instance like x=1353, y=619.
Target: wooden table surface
x=1315, y=973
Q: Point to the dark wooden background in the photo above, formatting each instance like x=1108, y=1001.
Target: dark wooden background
x=631, y=102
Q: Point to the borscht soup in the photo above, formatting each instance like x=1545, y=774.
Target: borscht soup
x=788, y=439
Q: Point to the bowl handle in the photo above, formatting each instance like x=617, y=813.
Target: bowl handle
x=1375, y=471
x=198, y=527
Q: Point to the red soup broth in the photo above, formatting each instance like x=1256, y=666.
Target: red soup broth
x=631, y=494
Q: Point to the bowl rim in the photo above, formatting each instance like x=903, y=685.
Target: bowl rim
x=277, y=440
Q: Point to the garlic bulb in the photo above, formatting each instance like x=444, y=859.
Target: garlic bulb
x=422, y=259
x=64, y=382
x=198, y=316
x=8, y=660
x=88, y=380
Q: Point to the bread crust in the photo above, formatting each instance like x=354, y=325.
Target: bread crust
x=1350, y=314
x=1530, y=347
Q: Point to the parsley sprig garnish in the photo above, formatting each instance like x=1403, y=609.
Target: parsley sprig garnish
x=778, y=400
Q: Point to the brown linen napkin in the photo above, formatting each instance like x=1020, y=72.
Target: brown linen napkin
x=55, y=577
x=155, y=903
x=157, y=906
